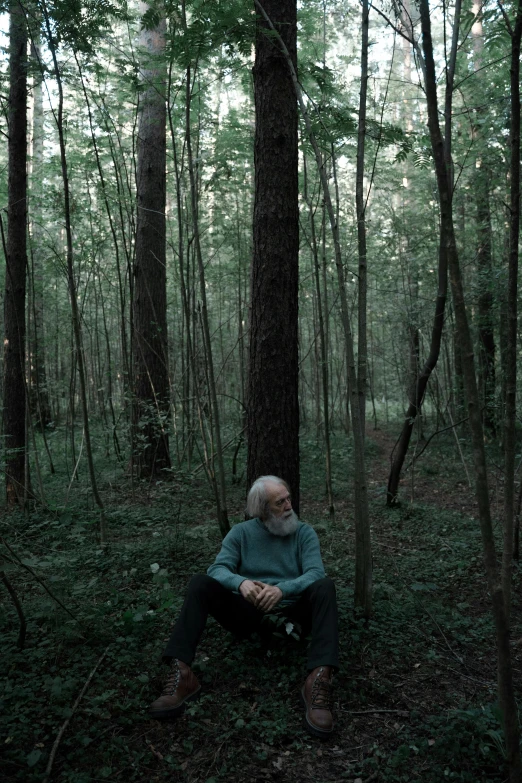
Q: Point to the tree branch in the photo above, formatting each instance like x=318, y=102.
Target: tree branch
x=67, y=720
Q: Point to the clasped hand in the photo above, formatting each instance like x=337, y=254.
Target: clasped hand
x=261, y=595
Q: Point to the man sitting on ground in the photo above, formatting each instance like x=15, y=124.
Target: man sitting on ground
x=270, y=560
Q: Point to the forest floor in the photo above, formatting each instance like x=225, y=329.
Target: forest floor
x=416, y=693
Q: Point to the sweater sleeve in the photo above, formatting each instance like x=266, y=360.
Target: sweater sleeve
x=311, y=564
x=224, y=568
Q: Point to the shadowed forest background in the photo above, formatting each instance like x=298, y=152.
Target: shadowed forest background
x=241, y=238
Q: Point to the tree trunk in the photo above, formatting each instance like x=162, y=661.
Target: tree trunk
x=363, y=550
x=323, y=348
x=16, y=264
x=360, y=205
x=149, y=307
x=485, y=303
x=505, y=673
x=71, y=281
x=216, y=467
x=512, y=315
x=273, y=409
x=419, y=389
x=39, y=393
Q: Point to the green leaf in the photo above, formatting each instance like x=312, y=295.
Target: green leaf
x=427, y=587
x=33, y=757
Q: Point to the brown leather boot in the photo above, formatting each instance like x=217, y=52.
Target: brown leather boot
x=181, y=686
x=317, y=698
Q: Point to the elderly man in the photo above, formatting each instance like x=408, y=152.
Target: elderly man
x=272, y=560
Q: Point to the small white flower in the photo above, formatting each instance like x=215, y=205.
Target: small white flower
x=154, y=568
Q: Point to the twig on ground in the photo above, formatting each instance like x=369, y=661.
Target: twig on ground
x=67, y=720
x=489, y=683
x=18, y=606
x=458, y=657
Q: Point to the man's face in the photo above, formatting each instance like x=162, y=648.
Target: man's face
x=279, y=501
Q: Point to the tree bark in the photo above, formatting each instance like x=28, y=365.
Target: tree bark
x=273, y=408
x=149, y=307
x=363, y=550
x=360, y=205
x=14, y=401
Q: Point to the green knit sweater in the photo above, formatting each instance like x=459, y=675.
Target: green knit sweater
x=250, y=551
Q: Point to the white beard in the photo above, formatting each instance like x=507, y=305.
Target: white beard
x=282, y=526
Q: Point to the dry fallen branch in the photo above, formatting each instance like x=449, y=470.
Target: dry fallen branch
x=67, y=720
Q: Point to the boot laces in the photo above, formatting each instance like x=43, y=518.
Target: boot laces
x=172, y=680
x=321, y=692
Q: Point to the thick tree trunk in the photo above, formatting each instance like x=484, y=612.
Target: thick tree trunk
x=363, y=549
x=16, y=264
x=149, y=306
x=273, y=410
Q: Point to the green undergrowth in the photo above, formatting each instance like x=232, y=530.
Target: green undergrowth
x=415, y=696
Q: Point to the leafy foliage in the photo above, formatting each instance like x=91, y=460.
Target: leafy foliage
x=80, y=24
x=415, y=694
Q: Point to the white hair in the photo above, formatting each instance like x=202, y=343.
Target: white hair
x=257, y=500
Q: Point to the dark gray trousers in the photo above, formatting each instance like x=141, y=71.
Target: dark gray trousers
x=315, y=611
